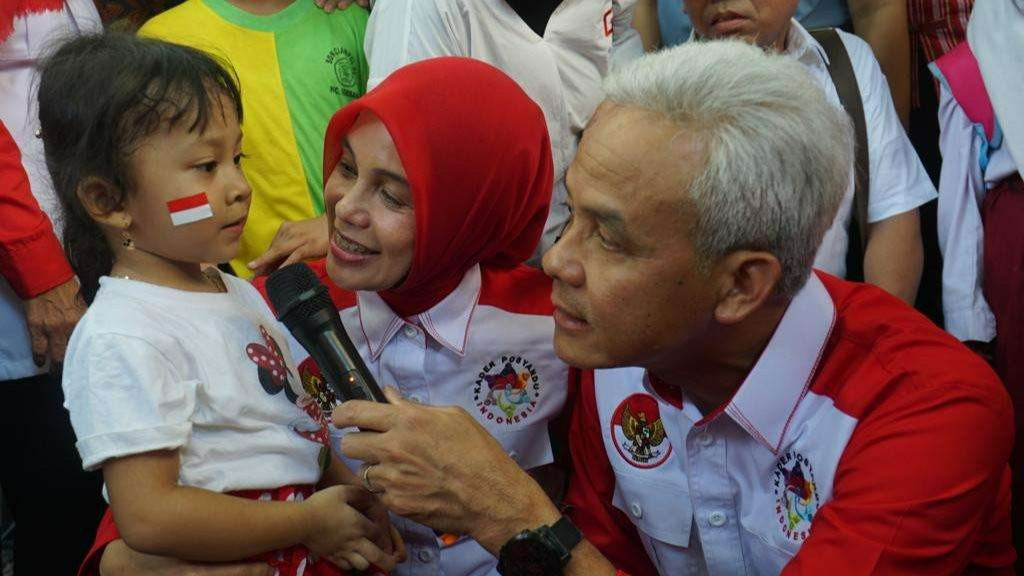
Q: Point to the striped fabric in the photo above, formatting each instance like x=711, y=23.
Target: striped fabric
x=936, y=27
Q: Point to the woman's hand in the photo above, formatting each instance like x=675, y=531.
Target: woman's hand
x=294, y=242
x=349, y=527
x=438, y=466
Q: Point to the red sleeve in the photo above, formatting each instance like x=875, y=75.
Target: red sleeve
x=592, y=487
x=105, y=534
x=922, y=488
x=31, y=259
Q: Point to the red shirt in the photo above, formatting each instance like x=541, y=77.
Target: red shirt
x=31, y=259
x=901, y=433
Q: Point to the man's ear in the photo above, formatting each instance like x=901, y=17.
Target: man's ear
x=104, y=202
x=746, y=279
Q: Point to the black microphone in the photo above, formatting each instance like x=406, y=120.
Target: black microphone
x=302, y=303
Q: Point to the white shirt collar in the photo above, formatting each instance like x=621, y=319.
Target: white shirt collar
x=803, y=47
x=447, y=322
x=799, y=44
x=765, y=402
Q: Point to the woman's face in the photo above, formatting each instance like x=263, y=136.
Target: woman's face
x=370, y=218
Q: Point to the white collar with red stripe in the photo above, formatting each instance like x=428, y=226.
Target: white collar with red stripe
x=447, y=322
x=766, y=400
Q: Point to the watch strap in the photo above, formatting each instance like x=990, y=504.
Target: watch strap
x=566, y=536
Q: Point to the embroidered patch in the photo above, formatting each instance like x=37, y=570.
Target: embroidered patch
x=507, y=390
x=316, y=387
x=639, y=433
x=796, y=495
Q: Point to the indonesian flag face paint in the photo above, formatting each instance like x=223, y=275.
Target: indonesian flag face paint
x=190, y=209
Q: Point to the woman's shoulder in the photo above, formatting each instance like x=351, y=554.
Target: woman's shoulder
x=520, y=290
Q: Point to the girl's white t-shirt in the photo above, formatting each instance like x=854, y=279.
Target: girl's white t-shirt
x=209, y=374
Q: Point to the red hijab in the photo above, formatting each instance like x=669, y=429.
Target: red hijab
x=476, y=153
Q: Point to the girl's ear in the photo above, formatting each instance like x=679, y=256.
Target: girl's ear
x=104, y=202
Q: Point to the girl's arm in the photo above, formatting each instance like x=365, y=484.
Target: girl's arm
x=157, y=516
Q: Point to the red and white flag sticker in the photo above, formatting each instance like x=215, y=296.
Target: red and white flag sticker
x=190, y=209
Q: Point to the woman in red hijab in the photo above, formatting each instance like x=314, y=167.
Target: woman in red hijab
x=437, y=186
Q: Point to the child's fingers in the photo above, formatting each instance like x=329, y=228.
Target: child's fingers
x=349, y=561
x=372, y=553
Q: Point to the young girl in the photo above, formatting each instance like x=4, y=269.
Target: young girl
x=178, y=381
x=437, y=189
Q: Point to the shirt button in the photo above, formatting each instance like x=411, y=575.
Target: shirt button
x=717, y=519
x=514, y=455
x=409, y=331
x=416, y=398
x=705, y=439
x=636, y=510
x=425, y=555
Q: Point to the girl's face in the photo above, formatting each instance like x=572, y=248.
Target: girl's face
x=370, y=218
x=191, y=199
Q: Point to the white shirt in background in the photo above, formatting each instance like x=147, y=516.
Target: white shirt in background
x=899, y=182
x=962, y=188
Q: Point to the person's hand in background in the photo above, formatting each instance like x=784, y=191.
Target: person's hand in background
x=51, y=317
x=332, y=5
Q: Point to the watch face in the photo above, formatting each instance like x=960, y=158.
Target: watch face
x=528, y=555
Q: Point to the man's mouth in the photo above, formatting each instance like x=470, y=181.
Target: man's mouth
x=567, y=318
x=726, y=16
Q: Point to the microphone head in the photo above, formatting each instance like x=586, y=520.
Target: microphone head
x=296, y=294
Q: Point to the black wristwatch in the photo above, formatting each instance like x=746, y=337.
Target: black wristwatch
x=541, y=552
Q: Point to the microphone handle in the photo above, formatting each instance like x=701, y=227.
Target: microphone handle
x=344, y=369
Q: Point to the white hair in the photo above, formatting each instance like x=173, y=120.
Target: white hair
x=778, y=153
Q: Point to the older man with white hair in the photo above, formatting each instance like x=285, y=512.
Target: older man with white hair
x=891, y=255
x=745, y=414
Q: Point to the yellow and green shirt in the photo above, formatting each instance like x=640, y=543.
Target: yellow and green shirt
x=296, y=68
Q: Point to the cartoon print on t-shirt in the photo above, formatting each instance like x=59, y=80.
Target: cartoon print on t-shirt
x=274, y=374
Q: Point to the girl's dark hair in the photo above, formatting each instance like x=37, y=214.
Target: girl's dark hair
x=100, y=97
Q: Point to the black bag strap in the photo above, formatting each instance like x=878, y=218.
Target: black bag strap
x=841, y=70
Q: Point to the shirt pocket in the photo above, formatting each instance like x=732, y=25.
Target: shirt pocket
x=663, y=514
x=529, y=447
x=763, y=555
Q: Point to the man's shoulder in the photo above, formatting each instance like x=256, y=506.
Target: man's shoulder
x=884, y=357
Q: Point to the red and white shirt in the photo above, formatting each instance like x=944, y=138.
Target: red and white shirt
x=863, y=441
x=485, y=347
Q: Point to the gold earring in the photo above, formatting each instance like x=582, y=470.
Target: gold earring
x=126, y=240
